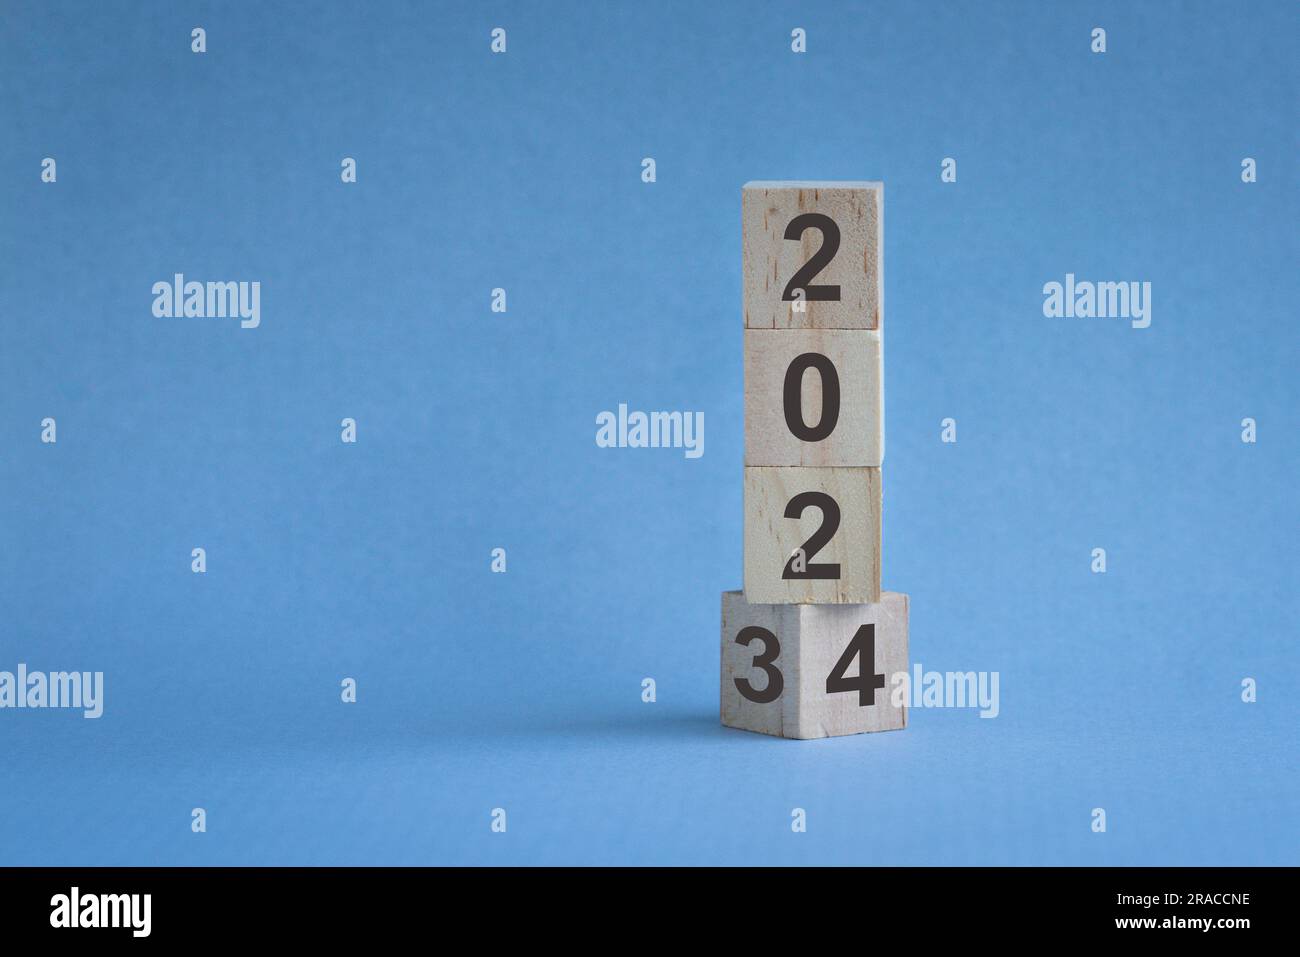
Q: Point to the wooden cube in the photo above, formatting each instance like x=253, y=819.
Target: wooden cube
x=812, y=535
x=819, y=241
x=814, y=397
x=813, y=671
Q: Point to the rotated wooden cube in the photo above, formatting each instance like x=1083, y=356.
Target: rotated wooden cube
x=812, y=535
x=814, y=671
x=813, y=255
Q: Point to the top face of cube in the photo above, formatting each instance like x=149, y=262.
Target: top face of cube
x=812, y=254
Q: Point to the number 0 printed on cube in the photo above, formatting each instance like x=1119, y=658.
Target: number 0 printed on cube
x=813, y=397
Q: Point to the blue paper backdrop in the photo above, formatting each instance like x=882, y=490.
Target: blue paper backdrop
x=476, y=430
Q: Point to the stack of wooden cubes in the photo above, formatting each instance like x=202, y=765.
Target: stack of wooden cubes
x=810, y=647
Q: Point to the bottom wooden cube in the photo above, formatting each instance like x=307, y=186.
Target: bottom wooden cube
x=813, y=671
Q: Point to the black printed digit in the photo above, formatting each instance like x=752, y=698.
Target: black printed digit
x=867, y=680
x=764, y=662
x=830, y=510
x=830, y=413
x=819, y=261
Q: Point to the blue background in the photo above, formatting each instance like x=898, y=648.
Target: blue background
x=476, y=430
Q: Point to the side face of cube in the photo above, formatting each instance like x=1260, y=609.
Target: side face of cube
x=813, y=671
x=814, y=397
x=760, y=668
x=848, y=657
x=812, y=535
x=812, y=255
